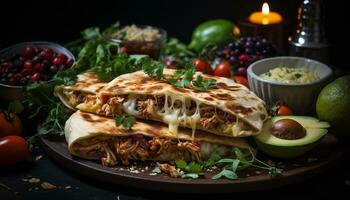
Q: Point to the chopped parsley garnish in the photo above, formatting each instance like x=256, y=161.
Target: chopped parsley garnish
x=230, y=166
x=183, y=78
x=126, y=121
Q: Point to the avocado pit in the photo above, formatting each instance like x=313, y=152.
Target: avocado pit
x=288, y=129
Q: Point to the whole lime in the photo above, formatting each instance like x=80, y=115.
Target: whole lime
x=333, y=104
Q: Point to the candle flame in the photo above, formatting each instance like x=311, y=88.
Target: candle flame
x=265, y=9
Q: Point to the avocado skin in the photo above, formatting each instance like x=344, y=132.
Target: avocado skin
x=284, y=152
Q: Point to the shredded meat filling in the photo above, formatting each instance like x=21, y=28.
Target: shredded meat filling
x=139, y=147
x=150, y=105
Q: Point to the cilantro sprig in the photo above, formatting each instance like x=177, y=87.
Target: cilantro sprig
x=192, y=169
x=183, y=78
x=126, y=121
x=230, y=166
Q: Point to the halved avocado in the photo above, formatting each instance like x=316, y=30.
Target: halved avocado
x=290, y=148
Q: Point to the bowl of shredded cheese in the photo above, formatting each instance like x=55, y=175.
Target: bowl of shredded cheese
x=293, y=81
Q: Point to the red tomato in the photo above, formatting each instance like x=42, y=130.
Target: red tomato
x=284, y=110
x=10, y=124
x=241, y=80
x=223, y=69
x=202, y=66
x=13, y=149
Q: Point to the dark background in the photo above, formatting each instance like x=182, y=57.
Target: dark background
x=62, y=20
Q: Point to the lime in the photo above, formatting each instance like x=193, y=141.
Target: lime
x=333, y=103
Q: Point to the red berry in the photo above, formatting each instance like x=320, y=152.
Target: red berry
x=39, y=67
x=243, y=58
x=57, y=61
x=46, y=55
x=28, y=52
x=69, y=62
x=62, y=56
x=12, y=81
x=28, y=64
x=17, y=76
x=48, y=50
x=35, y=77
x=21, y=59
x=242, y=71
x=8, y=65
x=26, y=71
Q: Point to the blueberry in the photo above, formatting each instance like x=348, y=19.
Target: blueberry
x=53, y=69
x=9, y=75
x=3, y=80
x=23, y=81
x=36, y=59
x=233, y=60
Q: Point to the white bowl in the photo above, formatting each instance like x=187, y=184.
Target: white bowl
x=300, y=97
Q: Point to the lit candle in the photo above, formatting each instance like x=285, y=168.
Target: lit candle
x=265, y=17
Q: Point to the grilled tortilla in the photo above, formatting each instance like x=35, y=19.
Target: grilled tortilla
x=230, y=109
x=95, y=137
x=87, y=86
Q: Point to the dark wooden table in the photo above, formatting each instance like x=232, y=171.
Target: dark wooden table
x=335, y=183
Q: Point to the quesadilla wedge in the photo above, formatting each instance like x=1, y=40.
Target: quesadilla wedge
x=230, y=109
x=90, y=136
x=86, y=87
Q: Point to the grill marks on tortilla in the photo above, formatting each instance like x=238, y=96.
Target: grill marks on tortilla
x=90, y=118
x=239, y=109
x=223, y=96
x=228, y=87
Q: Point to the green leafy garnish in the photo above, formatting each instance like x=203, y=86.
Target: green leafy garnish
x=15, y=107
x=65, y=77
x=183, y=78
x=227, y=174
x=178, y=50
x=201, y=84
x=156, y=170
x=126, y=121
x=152, y=68
x=106, y=70
x=231, y=166
x=192, y=169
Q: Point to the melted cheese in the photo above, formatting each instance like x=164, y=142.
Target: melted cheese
x=176, y=116
x=129, y=106
x=93, y=106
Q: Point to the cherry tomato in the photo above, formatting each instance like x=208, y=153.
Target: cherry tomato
x=241, y=80
x=13, y=149
x=284, y=110
x=202, y=66
x=10, y=124
x=223, y=69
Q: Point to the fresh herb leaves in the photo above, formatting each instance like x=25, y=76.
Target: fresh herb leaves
x=230, y=174
x=201, y=84
x=183, y=78
x=192, y=169
x=126, y=121
x=177, y=50
x=153, y=68
x=15, y=107
x=230, y=166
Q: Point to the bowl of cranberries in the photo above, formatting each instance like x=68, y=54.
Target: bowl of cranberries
x=30, y=62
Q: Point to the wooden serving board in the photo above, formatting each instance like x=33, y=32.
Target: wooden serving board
x=140, y=175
